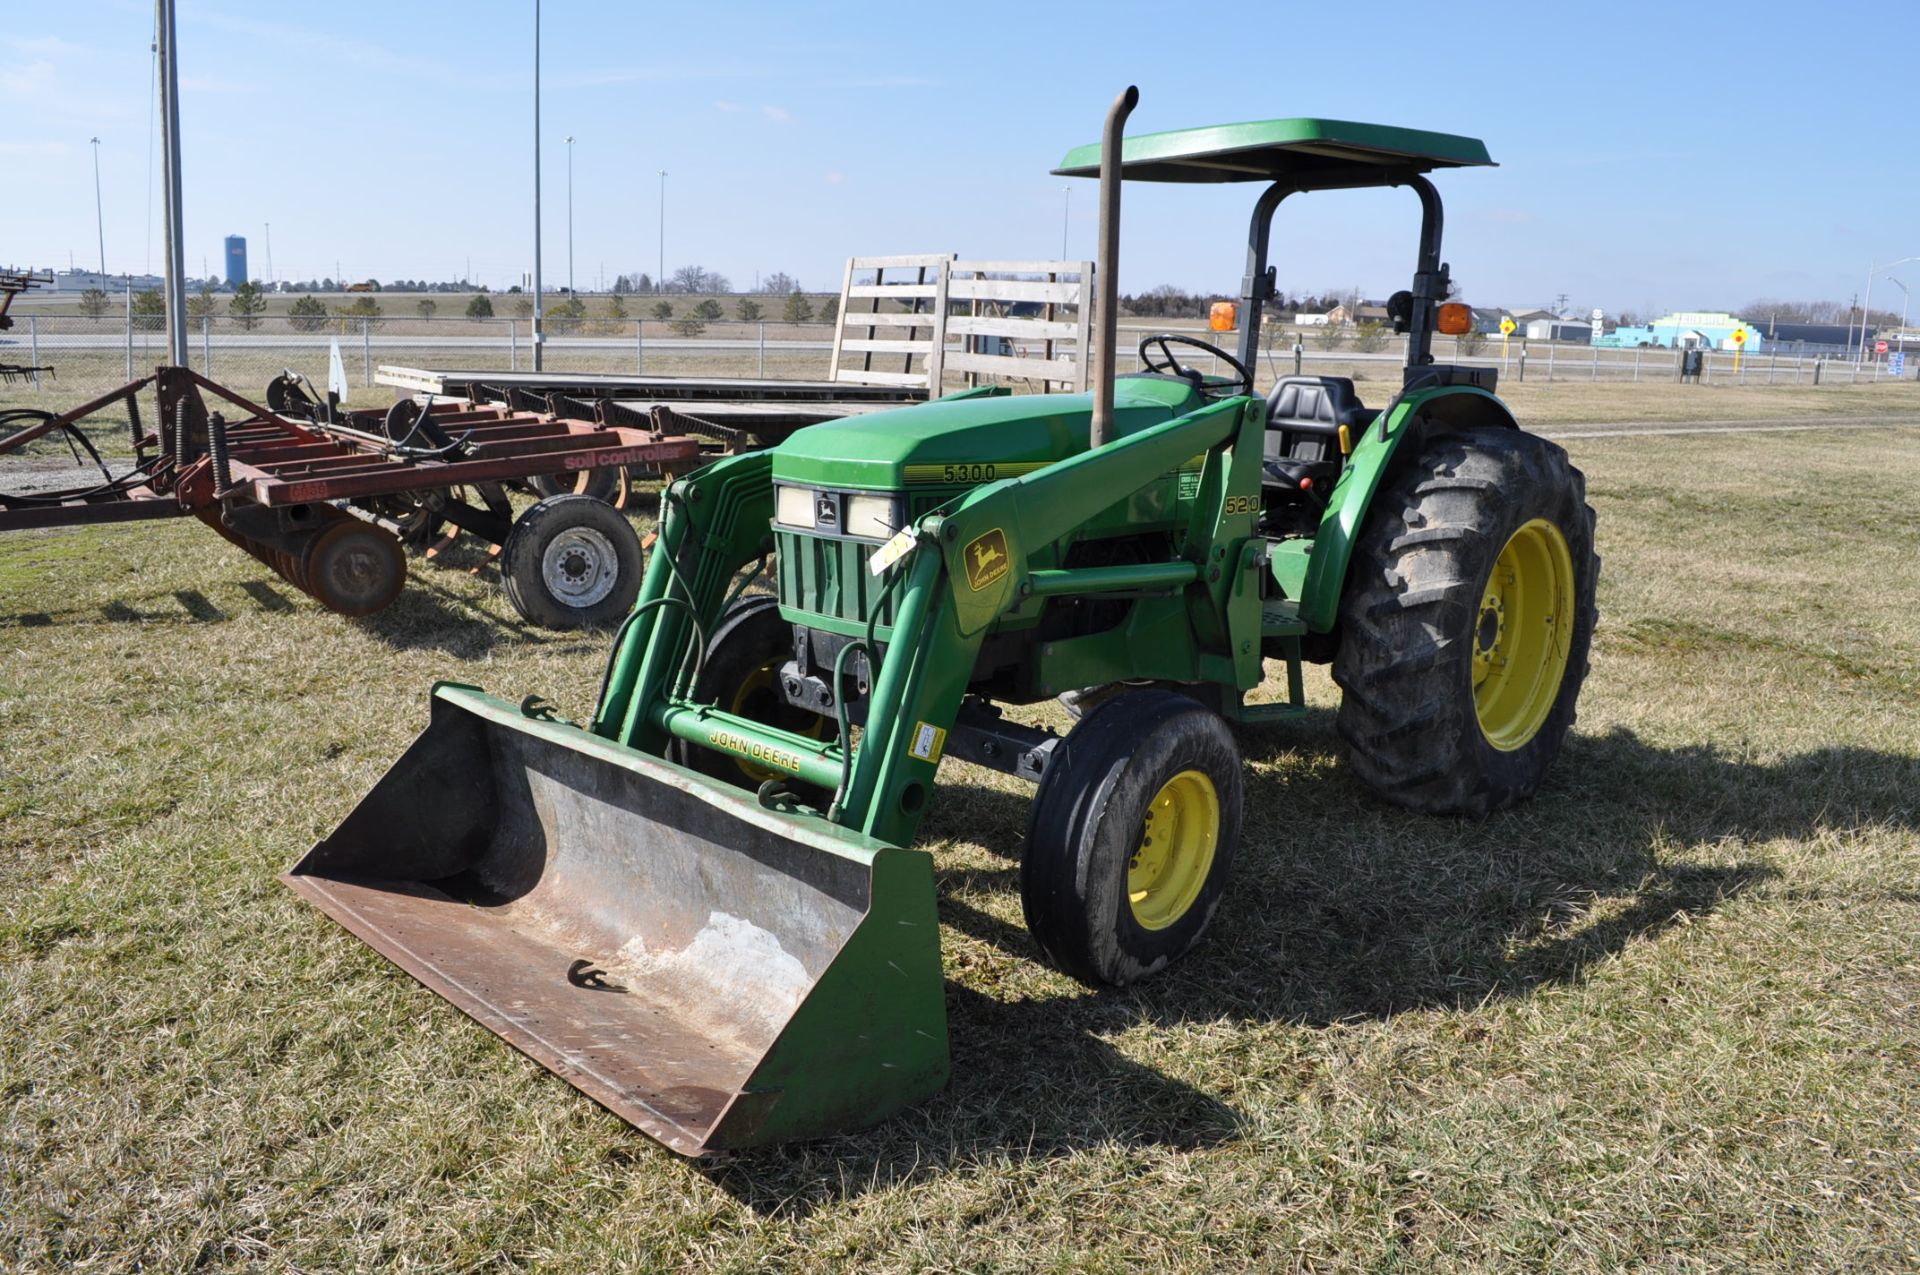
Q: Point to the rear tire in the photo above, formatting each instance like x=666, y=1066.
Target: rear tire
x=741, y=676
x=1466, y=623
x=572, y=562
x=1104, y=901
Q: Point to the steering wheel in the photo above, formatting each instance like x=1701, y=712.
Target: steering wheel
x=1214, y=386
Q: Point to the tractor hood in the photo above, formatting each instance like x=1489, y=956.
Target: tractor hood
x=968, y=440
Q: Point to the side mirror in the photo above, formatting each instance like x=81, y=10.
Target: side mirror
x=1400, y=311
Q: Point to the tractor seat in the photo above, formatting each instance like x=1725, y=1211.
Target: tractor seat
x=1304, y=416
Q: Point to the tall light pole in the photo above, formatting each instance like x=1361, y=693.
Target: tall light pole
x=1867, y=307
x=176, y=298
x=1066, y=217
x=1905, y=297
x=99, y=215
x=660, y=284
x=538, y=361
x=570, y=214
x=269, y=256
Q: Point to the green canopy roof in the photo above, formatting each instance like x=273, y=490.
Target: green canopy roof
x=1265, y=150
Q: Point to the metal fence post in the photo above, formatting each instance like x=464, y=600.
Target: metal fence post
x=129, y=334
x=206, y=345
x=366, y=350
x=639, y=346
x=1550, y=346
x=1636, y=364
x=1596, y=363
x=763, y=355
x=33, y=340
x=513, y=345
x=1523, y=363
x=1299, y=355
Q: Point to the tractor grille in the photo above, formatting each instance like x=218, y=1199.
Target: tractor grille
x=827, y=576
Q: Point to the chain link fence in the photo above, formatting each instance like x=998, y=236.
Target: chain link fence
x=91, y=355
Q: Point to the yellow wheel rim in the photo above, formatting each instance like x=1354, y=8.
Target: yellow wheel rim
x=1522, y=635
x=1177, y=840
x=757, y=691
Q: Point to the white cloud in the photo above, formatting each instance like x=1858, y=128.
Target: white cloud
x=778, y=114
x=49, y=45
x=34, y=149
x=835, y=177
x=729, y=107
x=26, y=81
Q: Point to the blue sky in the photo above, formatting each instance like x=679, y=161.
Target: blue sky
x=1652, y=156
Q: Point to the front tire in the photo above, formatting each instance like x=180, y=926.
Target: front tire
x=741, y=676
x=1131, y=836
x=1466, y=623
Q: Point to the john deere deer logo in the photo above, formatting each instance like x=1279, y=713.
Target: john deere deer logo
x=986, y=559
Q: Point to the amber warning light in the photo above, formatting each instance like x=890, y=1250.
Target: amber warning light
x=1455, y=319
x=1224, y=316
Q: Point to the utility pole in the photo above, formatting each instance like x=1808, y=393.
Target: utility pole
x=176, y=298
x=660, y=283
x=538, y=361
x=99, y=214
x=570, y=289
x=269, y=256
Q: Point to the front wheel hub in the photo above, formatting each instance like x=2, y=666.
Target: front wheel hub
x=1177, y=842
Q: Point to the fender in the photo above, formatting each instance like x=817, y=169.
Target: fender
x=1409, y=420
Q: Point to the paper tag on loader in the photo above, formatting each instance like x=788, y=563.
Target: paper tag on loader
x=895, y=549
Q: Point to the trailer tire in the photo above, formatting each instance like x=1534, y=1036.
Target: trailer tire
x=572, y=562
x=1102, y=901
x=1466, y=623
x=609, y=483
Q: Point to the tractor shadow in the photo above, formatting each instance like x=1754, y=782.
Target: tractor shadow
x=1342, y=909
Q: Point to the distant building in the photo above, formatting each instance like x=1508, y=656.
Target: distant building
x=1551, y=329
x=81, y=280
x=1684, y=330
x=236, y=260
x=1342, y=316
x=1796, y=338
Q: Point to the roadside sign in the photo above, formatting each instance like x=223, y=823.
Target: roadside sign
x=1898, y=364
x=1506, y=326
x=1739, y=337
x=1879, y=347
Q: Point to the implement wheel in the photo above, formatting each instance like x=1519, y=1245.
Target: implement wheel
x=741, y=676
x=609, y=483
x=351, y=567
x=1466, y=623
x=572, y=562
x=1131, y=835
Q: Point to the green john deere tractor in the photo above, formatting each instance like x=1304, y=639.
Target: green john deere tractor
x=704, y=907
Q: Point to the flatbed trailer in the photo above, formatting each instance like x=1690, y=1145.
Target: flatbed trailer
x=329, y=498
x=737, y=414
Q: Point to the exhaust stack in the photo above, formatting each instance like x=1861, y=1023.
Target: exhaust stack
x=1108, y=267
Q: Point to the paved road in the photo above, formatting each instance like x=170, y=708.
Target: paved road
x=1777, y=425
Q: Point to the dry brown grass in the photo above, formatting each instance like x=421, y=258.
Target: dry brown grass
x=1667, y=1016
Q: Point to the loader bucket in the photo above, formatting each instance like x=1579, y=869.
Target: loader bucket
x=716, y=973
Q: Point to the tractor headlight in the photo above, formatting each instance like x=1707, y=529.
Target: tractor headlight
x=793, y=507
x=872, y=517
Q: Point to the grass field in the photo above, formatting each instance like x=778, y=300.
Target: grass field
x=1667, y=1016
